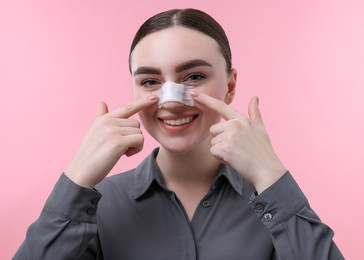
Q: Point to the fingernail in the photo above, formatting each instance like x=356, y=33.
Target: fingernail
x=194, y=93
x=153, y=98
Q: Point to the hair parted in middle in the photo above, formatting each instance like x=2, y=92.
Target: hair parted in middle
x=189, y=18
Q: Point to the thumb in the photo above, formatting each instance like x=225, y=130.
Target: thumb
x=102, y=109
x=254, y=112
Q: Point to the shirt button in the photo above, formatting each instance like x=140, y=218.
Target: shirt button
x=206, y=204
x=91, y=212
x=267, y=216
x=259, y=208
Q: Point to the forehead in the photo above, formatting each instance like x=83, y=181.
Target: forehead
x=175, y=45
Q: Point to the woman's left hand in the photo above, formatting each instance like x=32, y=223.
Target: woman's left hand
x=243, y=143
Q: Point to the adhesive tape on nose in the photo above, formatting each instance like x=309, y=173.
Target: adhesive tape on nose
x=173, y=92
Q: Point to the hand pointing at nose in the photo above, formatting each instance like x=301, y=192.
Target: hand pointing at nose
x=243, y=143
x=112, y=135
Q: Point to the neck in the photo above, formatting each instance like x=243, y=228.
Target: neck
x=197, y=166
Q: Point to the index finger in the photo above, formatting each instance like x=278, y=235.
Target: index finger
x=217, y=105
x=134, y=107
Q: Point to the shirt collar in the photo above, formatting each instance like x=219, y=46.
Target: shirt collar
x=235, y=180
x=144, y=175
x=148, y=172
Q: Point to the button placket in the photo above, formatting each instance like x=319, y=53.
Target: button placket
x=259, y=208
x=95, y=201
x=91, y=212
x=206, y=203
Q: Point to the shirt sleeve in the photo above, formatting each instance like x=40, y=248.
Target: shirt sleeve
x=296, y=230
x=66, y=226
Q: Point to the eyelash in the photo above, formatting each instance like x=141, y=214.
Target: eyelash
x=199, y=75
x=147, y=83
x=152, y=83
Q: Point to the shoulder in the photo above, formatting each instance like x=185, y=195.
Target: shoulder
x=132, y=182
x=121, y=183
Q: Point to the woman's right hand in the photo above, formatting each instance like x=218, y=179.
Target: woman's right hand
x=112, y=135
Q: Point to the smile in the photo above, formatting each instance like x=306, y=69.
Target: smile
x=178, y=122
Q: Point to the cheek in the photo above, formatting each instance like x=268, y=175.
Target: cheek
x=144, y=118
x=215, y=90
x=139, y=92
x=147, y=114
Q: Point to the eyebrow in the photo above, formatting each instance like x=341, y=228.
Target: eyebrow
x=184, y=66
x=147, y=70
x=191, y=64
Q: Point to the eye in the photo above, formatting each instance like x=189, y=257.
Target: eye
x=194, y=77
x=150, y=84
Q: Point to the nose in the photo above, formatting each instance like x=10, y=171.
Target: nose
x=172, y=105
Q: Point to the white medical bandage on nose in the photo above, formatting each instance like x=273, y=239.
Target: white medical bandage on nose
x=173, y=92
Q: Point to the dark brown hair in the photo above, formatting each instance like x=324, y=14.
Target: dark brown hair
x=190, y=18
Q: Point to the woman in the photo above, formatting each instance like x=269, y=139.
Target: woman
x=214, y=189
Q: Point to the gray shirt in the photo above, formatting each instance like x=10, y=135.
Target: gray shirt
x=139, y=218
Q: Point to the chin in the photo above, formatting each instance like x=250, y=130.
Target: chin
x=182, y=146
x=177, y=148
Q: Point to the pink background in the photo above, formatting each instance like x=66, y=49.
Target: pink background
x=304, y=59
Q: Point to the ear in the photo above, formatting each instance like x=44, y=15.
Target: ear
x=231, y=86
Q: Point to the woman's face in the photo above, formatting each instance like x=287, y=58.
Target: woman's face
x=185, y=56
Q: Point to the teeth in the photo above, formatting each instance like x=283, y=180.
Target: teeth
x=181, y=121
